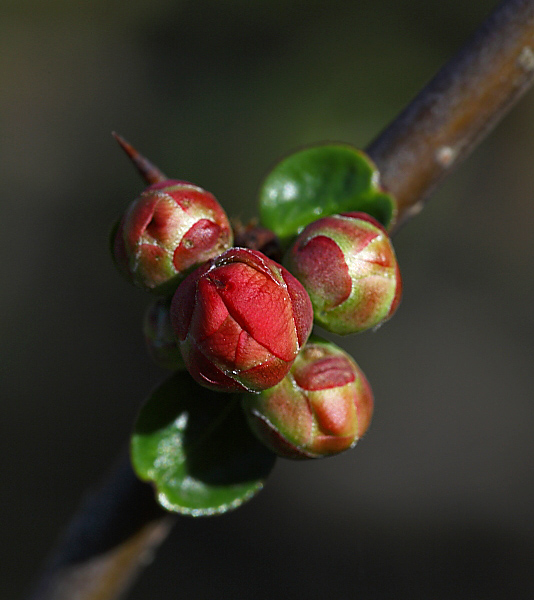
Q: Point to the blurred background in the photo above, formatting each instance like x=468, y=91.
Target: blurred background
x=438, y=500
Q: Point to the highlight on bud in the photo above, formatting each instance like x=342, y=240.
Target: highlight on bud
x=159, y=336
x=322, y=407
x=170, y=229
x=241, y=320
x=348, y=267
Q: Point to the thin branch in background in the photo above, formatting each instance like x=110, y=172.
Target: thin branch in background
x=120, y=525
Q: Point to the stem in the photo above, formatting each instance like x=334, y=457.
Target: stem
x=120, y=524
x=456, y=110
x=113, y=536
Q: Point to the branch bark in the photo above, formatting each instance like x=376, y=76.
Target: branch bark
x=458, y=108
x=110, y=540
x=119, y=527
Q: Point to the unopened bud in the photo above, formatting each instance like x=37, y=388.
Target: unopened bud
x=322, y=407
x=348, y=267
x=170, y=229
x=241, y=320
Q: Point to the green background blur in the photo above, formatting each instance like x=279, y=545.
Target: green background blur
x=438, y=500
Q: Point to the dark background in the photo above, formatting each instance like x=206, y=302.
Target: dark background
x=438, y=500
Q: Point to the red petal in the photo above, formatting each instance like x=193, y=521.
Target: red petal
x=183, y=304
x=325, y=373
x=197, y=244
x=249, y=353
x=137, y=218
x=301, y=305
x=266, y=375
x=220, y=345
x=210, y=311
x=321, y=267
x=260, y=306
x=336, y=413
x=206, y=373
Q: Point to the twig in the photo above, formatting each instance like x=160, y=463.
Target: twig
x=120, y=525
x=111, y=539
x=458, y=108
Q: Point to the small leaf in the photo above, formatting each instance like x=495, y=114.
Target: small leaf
x=195, y=446
x=320, y=181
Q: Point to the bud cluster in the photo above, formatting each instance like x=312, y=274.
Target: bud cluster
x=239, y=322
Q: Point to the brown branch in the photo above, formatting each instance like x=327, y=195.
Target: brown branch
x=111, y=539
x=120, y=525
x=456, y=110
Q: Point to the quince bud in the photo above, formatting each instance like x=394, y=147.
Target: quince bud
x=348, y=266
x=241, y=320
x=322, y=407
x=170, y=229
x=159, y=336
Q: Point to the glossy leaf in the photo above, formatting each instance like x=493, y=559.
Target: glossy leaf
x=195, y=446
x=320, y=181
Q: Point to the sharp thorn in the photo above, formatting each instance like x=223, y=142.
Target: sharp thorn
x=149, y=172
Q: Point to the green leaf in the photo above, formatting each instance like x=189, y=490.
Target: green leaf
x=320, y=181
x=195, y=446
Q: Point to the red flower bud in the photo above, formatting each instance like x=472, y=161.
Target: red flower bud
x=241, y=320
x=347, y=265
x=159, y=336
x=172, y=227
x=322, y=407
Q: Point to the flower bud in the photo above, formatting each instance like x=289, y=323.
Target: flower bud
x=322, y=407
x=348, y=267
x=241, y=320
x=173, y=227
x=159, y=336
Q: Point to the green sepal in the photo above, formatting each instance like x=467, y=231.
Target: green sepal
x=320, y=181
x=194, y=445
